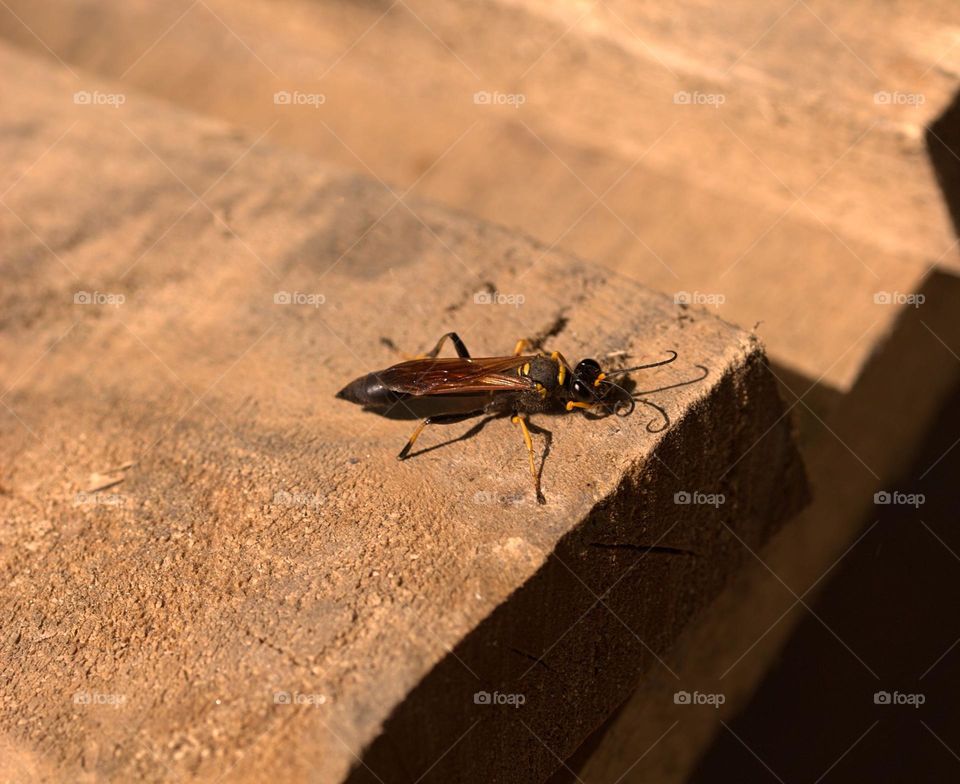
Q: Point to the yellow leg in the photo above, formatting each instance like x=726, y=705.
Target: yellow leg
x=573, y=404
x=416, y=434
x=519, y=420
x=522, y=345
x=437, y=419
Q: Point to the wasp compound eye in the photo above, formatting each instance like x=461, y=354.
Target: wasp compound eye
x=582, y=392
x=585, y=376
x=587, y=369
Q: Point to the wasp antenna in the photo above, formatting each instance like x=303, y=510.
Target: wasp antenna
x=624, y=404
x=660, y=410
x=645, y=367
x=706, y=373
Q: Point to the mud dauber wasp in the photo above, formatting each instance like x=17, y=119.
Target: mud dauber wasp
x=446, y=390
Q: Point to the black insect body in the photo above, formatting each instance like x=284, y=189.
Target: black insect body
x=444, y=390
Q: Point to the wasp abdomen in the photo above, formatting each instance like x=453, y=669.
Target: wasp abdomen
x=368, y=390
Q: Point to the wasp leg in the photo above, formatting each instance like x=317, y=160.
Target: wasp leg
x=458, y=345
x=442, y=419
x=522, y=345
x=519, y=419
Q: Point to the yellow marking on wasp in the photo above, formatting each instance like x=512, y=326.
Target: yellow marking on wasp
x=600, y=378
x=540, y=388
x=573, y=404
x=562, y=373
x=526, y=369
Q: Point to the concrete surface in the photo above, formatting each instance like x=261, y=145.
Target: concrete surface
x=772, y=154
x=816, y=96
x=214, y=570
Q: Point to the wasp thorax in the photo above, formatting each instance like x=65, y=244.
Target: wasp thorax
x=543, y=371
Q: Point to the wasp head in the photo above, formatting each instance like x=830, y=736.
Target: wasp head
x=583, y=384
x=589, y=385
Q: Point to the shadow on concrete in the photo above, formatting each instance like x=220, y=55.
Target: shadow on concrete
x=943, y=147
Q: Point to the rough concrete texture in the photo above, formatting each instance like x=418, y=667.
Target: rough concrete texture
x=806, y=191
x=213, y=569
x=800, y=86
x=821, y=101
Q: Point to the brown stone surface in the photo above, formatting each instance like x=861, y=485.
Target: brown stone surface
x=702, y=188
x=802, y=194
x=192, y=524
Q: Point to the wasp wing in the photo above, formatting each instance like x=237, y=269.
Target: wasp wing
x=454, y=375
